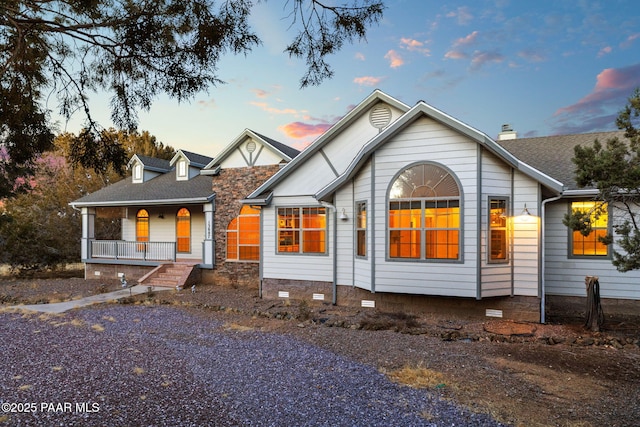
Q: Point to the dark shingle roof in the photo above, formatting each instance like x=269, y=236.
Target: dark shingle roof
x=159, y=190
x=152, y=163
x=552, y=154
x=289, y=151
x=197, y=160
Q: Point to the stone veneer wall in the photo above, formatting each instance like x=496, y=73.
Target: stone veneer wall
x=518, y=308
x=231, y=186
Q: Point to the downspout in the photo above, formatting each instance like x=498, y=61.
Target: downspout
x=334, y=290
x=479, y=225
x=543, y=256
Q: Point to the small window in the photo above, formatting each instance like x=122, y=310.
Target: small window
x=183, y=230
x=137, y=172
x=182, y=168
x=498, y=232
x=361, y=229
x=590, y=245
x=243, y=236
x=302, y=230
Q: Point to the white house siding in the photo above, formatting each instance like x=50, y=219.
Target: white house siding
x=345, y=235
x=526, y=237
x=427, y=140
x=308, y=179
x=565, y=276
x=362, y=193
x=495, y=278
x=303, y=267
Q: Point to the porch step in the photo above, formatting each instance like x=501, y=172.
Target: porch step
x=168, y=275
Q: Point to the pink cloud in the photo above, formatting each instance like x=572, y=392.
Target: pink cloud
x=604, y=51
x=395, y=60
x=532, y=55
x=414, y=46
x=629, y=41
x=466, y=40
x=260, y=93
x=480, y=58
x=299, y=130
x=264, y=106
x=367, y=80
x=455, y=54
x=599, y=108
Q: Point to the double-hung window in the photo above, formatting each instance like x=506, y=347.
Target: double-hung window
x=361, y=229
x=590, y=245
x=302, y=230
x=498, y=231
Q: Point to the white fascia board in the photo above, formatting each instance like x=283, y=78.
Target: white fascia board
x=144, y=202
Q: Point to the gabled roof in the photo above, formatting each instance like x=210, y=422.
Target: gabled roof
x=375, y=97
x=195, y=160
x=424, y=109
x=151, y=163
x=161, y=190
x=288, y=153
x=552, y=154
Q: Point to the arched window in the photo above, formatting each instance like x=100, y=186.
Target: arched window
x=142, y=227
x=183, y=230
x=243, y=235
x=424, y=214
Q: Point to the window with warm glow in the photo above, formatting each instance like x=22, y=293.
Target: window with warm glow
x=142, y=228
x=361, y=229
x=243, y=235
x=591, y=245
x=498, y=233
x=302, y=230
x=183, y=230
x=424, y=214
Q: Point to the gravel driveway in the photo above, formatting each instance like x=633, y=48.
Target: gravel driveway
x=123, y=365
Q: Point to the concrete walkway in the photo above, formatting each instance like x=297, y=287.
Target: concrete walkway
x=61, y=307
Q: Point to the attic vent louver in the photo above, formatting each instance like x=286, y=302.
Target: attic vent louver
x=380, y=116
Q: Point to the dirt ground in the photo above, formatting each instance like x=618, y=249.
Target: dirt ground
x=523, y=374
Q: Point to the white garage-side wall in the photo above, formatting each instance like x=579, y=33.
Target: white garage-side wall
x=565, y=275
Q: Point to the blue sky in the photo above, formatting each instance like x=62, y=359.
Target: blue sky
x=545, y=67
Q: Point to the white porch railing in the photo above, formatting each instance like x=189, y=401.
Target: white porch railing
x=145, y=251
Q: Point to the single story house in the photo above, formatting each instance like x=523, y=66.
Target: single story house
x=407, y=208
x=182, y=220
x=398, y=207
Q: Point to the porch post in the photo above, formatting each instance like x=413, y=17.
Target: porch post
x=88, y=232
x=208, y=253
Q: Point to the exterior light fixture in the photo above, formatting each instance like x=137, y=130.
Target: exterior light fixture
x=343, y=215
x=525, y=211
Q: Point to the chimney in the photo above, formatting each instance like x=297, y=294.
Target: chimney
x=507, y=133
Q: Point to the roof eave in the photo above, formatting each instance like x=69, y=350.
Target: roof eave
x=125, y=203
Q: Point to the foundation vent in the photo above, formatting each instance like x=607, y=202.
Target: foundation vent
x=283, y=294
x=318, y=297
x=368, y=303
x=493, y=313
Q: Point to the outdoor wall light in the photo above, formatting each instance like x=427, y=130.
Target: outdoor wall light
x=161, y=215
x=343, y=215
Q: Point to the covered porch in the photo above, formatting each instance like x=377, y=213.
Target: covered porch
x=149, y=235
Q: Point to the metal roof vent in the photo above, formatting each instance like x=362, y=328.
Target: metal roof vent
x=380, y=116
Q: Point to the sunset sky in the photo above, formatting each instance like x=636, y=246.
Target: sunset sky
x=545, y=67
